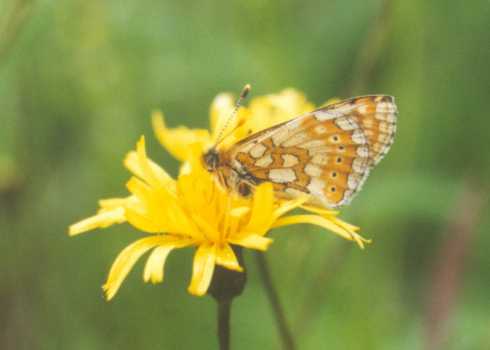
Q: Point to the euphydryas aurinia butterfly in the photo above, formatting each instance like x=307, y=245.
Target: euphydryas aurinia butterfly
x=326, y=154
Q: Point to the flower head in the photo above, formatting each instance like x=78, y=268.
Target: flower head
x=193, y=210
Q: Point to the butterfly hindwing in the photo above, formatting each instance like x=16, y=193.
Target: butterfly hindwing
x=327, y=153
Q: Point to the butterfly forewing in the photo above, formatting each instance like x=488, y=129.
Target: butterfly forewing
x=327, y=153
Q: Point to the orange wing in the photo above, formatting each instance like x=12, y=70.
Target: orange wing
x=327, y=153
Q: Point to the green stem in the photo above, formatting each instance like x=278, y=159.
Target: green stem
x=224, y=310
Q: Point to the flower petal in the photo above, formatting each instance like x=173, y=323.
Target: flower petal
x=113, y=203
x=322, y=222
x=194, y=188
x=320, y=211
x=132, y=163
x=238, y=212
x=331, y=215
x=286, y=206
x=148, y=175
x=269, y=110
x=125, y=261
x=225, y=256
x=252, y=241
x=180, y=142
x=157, y=210
x=290, y=101
x=261, y=216
x=143, y=193
x=155, y=264
x=202, y=269
x=142, y=222
x=345, y=225
x=101, y=220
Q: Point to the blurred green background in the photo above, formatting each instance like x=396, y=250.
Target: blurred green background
x=78, y=80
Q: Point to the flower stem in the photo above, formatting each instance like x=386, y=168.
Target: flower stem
x=225, y=286
x=224, y=310
x=282, y=326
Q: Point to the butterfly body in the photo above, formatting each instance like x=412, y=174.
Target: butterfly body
x=326, y=154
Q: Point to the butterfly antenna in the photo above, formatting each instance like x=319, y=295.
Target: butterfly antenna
x=246, y=89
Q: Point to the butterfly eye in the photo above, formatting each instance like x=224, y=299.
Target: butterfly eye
x=211, y=159
x=335, y=138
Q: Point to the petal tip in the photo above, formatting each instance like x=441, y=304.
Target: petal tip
x=72, y=231
x=141, y=142
x=108, y=292
x=77, y=228
x=158, y=120
x=194, y=292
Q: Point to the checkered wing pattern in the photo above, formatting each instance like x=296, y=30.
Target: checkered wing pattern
x=327, y=153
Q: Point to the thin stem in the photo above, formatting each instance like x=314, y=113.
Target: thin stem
x=282, y=326
x=224, y=310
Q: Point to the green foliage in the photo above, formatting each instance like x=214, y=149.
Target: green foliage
x=78, y=80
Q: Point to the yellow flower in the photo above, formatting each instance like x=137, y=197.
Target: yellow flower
x=193, y=210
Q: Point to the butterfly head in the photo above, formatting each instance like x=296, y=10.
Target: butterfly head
x=228, y=177
x=211, y=159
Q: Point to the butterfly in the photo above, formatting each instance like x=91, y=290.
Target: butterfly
x=326, y=154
